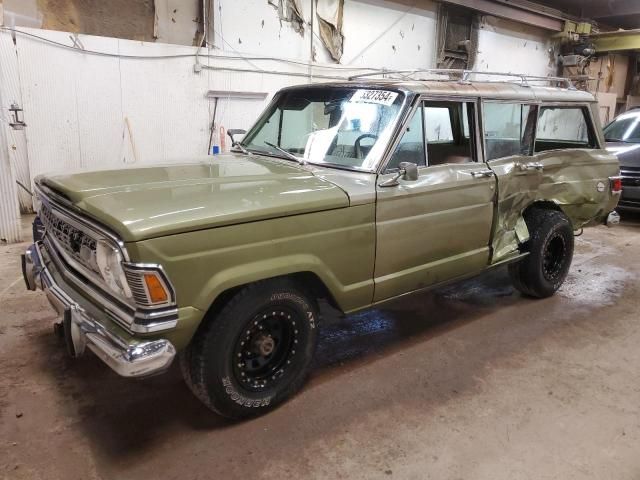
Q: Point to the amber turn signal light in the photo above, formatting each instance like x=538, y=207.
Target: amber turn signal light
x=157, y=292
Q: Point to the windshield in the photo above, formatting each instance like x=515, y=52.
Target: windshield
x=334, y=126
x=625, y=128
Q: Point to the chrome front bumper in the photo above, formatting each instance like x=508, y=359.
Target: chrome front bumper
x=81, y=330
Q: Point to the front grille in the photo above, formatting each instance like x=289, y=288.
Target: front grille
x=630, y=176
x=75, y=242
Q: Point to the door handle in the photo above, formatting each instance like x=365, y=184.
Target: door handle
x=481, y=173
x=532, y=166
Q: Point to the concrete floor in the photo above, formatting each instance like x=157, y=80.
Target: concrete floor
x=468, y=382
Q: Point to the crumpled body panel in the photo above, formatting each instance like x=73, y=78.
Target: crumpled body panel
x=576, y=181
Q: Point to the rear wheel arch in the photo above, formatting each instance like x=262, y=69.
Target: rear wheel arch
x=531, y=209
x=542, y=205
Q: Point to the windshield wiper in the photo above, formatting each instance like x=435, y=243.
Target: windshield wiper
x=242, y=149
x=340, y=166
x=288, y=154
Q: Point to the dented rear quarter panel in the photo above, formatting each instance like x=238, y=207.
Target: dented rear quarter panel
x=570, y=179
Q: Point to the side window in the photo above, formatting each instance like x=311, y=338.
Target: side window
x=448, y=132
x=507, y=129
x=438, y=127
x=563, y=127
x=411, y=146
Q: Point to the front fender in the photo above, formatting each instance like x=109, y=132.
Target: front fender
x=243, y=274
x=338, y=246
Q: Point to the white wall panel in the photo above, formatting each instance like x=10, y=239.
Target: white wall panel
x=507, y=46
x=48, y=76
x=254, y=27
x=389, y=34
x=377, y=33
x=98, y=104
x=165, y=102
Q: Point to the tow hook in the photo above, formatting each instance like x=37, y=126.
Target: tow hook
x=612, y=219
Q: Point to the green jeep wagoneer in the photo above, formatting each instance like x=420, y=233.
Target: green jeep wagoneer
x=354, y=192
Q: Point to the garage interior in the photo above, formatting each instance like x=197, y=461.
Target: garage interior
x=468, y=381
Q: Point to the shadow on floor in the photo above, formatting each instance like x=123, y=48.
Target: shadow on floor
x=126, y=416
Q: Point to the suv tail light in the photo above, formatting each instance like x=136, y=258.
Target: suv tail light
x=616, y=184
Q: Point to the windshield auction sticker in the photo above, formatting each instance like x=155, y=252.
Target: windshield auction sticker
x=381, y=97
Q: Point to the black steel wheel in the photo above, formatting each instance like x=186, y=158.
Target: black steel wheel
x=256, y=351
x=550, y=246
x=554, y=257
x=266, y=348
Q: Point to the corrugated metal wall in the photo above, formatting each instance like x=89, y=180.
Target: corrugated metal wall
x=9, y=206
x=17, y=141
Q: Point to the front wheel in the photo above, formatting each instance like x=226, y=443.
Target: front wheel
x=541, y=273
x=256, y=352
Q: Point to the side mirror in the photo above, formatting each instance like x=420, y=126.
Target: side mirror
x=235, y=131
x=408, y=171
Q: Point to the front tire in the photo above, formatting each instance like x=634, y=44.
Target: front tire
x=256, y=352
x=541, y=273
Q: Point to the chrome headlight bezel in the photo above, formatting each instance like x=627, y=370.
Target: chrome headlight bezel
x=109, y=260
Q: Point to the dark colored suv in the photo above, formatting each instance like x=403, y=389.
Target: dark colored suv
x=623, y=140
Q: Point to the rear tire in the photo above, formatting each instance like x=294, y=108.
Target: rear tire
x=541, y=273
x=256, y=352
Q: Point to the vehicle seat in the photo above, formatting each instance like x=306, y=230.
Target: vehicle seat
x=442, y=153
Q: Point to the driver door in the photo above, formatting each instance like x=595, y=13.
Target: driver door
x=437, y=227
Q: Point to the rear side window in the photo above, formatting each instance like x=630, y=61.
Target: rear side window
x=507, y=129
x=563, y=127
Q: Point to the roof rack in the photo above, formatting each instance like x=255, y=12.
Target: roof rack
x=464, y=76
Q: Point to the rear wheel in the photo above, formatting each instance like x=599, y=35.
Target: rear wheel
x=256, y=352
x=550, y=248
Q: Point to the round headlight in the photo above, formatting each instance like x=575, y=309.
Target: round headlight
x=109, y=260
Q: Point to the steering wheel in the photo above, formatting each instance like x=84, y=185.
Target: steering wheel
x=356, y=144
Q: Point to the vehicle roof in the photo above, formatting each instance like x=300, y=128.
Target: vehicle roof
x=484, y=89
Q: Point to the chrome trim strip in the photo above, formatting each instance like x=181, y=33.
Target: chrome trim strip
x=156, y=269
x=119, y=315
x=66, y=207
x=129, y=359
x=129, y=315
x=135, y=321
x=75, y=265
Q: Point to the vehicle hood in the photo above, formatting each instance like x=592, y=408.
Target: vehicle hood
x=628, y=153
x=146, y=202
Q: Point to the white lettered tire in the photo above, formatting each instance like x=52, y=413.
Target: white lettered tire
x=256, y=352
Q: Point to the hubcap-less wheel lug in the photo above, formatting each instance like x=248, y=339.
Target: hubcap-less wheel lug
x=266, y=348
